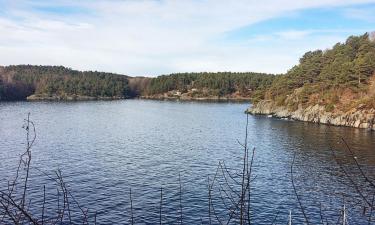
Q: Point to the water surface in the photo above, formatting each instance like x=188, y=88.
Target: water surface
x=104, y=148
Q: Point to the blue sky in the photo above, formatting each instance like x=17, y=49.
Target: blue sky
x=153, y=37
x=312, y=22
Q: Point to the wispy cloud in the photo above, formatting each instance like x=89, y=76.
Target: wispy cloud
x=150, y=37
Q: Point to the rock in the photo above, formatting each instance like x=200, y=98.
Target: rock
x=360, y=117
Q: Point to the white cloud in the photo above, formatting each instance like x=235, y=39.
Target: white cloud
x=150, y=37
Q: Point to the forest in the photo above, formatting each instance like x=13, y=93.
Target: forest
x=215, y=84
x=19, y=82
x=337, y=78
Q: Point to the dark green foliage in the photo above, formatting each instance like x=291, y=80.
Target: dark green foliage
x=14, y=91
x=221, y=83
x=346, y=65
x=24, y=80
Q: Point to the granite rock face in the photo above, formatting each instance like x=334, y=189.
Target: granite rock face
x=359, y=117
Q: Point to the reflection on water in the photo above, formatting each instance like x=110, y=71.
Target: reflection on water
x=104, y=148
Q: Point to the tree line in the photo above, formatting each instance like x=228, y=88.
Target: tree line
x=18, y=82
x=220, y=84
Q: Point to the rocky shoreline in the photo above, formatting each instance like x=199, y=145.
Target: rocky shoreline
x=69, y=98
x=183, y=98
x=359, y=117
x=154, y=97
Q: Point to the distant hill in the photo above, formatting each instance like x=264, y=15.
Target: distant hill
x=60, y=83
x=335, y=86
x=57, y=82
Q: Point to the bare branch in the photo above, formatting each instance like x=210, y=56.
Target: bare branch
x=295, y=192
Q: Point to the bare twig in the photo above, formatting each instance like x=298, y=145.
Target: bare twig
x=350, y=179
x=358, y=165
x=180, y=193
x=295, y=192
x=131, y=208
x=44, y=202
x=161, y=205
x=275, y=218
x=242, y=206
x=370, y=216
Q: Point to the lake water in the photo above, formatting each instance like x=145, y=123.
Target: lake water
x=104, y=148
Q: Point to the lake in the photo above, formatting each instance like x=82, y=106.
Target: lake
x=104, y=148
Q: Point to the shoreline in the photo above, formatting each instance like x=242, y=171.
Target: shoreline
x=56, y=98
x=70, y=98
x=198, y=99
x=358, y=118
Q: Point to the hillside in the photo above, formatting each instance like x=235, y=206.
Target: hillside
x=57, y=82
x=222, y=85
x=60, y=83
x=335, y=86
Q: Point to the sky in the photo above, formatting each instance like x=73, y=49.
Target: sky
x=154, y=37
